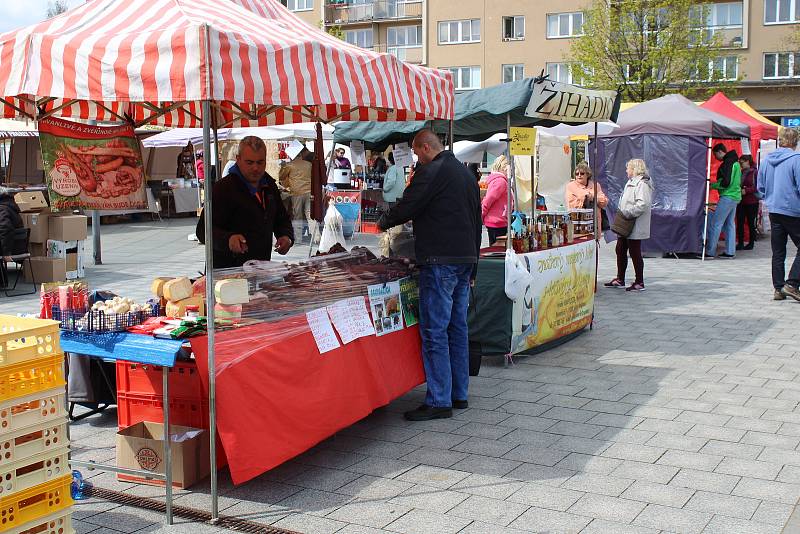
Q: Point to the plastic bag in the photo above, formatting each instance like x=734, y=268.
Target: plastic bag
x=332, y=231
x=517, y=276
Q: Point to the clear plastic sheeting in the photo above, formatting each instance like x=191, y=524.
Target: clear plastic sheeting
x=677, y=165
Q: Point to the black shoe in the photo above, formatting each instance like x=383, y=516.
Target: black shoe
x=427, y=413
x=460, y=404
x=749, y=246
x=739, y=246
x=730, y=256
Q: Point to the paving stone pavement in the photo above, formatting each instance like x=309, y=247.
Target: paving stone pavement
x=677, y=413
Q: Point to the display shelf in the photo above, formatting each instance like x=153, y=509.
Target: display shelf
x=31, y=377
x=35, y=409
x=33, y=503
x=24, y=443
x=34, y=470
x=23, y=339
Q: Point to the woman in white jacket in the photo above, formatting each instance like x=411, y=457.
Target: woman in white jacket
x=635, y=203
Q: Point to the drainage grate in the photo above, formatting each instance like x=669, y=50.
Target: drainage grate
x=227, y=522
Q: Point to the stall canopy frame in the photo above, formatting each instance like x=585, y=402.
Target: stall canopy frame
x=47, y=69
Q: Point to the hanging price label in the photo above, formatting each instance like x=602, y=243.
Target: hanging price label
x=522, y=141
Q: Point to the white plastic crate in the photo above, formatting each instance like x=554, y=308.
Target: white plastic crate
x=37, y=408
x=23, y=339
x=34, y=470
x=58, y=523
x=26, y=442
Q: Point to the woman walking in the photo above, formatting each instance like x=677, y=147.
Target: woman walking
x=495, y=204
x=635, y=203
x=748, y=207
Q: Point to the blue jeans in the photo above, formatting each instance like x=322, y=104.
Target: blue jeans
x=722, y=220
x=444, y=299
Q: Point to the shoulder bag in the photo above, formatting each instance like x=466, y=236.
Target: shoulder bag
x=622, y=226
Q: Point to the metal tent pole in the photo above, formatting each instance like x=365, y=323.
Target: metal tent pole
x=209, y=249
x=708, y=197
x=597, y=228
x=450, y=133
x=511, y=172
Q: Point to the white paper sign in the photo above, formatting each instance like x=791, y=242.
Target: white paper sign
x=357, y=153
x=351, y=319
x=294, y=148
x=387, y=312
x=322, y=329
x=402, y=155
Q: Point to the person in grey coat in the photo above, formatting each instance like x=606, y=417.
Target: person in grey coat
x=635, y=203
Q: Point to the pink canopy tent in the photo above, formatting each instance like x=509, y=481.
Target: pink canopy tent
x=209, y=63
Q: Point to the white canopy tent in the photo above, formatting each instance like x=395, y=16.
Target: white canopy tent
x=179, y=137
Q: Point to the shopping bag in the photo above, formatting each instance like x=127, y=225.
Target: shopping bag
x=517, y=276
x=333, y=229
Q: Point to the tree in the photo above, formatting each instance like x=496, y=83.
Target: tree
x=335, y=30
x=650, y=48
x=56, y=7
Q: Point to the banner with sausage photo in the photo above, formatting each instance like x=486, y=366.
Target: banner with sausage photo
x=92, y=167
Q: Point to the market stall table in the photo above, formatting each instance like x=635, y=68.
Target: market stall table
x=277, y=396
x=557, y=304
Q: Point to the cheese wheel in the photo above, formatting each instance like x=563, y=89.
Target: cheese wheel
x=178, y=309
x=232, y=291
x=158, y=286
x=178, y=289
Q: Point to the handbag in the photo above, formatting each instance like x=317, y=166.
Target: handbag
x=622, y=226
x=604, y=224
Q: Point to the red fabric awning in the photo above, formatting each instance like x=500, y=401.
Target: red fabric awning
x=758, y=130
x=154, y=61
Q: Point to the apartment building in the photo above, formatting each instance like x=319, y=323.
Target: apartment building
x=487, y=42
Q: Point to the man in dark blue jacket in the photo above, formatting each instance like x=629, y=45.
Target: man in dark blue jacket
x=443, y=201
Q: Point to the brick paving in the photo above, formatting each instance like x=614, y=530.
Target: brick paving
x=677, y=413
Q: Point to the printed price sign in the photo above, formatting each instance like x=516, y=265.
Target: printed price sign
x=522, y=141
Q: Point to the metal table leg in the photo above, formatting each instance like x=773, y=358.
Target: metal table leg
x=167, y=445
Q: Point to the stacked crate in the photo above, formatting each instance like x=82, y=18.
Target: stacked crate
x=34, y=448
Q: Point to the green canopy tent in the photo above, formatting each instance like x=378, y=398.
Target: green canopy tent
x=478, y=115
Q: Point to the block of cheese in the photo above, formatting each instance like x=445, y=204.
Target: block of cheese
x=158, y=286
x=178, y=289
x=177, y=309
x=232, y=291
x=228, y=312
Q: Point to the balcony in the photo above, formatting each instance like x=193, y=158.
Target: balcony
x=409, y=54
x=342, y=13
x=727, y=36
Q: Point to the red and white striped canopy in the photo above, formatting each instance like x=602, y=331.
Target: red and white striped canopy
x=155, y=61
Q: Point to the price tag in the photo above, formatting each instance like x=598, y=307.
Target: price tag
x=522, y=141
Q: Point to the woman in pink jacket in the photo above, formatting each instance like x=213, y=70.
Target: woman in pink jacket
x=494, y=205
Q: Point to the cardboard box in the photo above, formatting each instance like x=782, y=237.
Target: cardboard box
x=74, y=254
x=141, y=446
x=38, y=222
x=68, y=227
x=46, y=270
x=38, y=250
x=30, y=201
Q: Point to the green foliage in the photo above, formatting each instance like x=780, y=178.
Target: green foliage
x=335, y=30
x=649, y=48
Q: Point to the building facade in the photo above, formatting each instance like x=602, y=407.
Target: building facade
x=487, y=42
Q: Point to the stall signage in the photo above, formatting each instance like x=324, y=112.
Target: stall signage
x=559, y=297
x=522, y=141
x=387, y=313
x=790, y=122
x=348, y=203
x=92, y=167
x=402, y=155
x=564, y=102
x=409, y=300
x=358, y=154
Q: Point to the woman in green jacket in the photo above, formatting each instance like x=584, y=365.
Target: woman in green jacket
x=729, y=185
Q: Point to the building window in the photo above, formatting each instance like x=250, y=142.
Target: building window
x=512, y=73
x=404, y=36
x=724, y=20
x=460, y=31
x=560, y=72
x=781, y=11
x=564, y=25
x=362, y=38
x=299, y=5
x=466, y=78
x=724, y=68
x=781, y=65
x=513, y=28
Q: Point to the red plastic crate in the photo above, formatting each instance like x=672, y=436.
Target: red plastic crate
x=370, y=228
x=132, y=409
x=144, y=379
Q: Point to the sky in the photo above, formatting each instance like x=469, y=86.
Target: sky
x=18, y=13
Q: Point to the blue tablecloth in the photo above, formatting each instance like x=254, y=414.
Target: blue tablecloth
x=123, y=346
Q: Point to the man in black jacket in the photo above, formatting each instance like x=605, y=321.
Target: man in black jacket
x=443, y=200
x=248, y=211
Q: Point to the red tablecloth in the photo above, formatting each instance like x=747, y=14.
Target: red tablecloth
x=277, y=396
